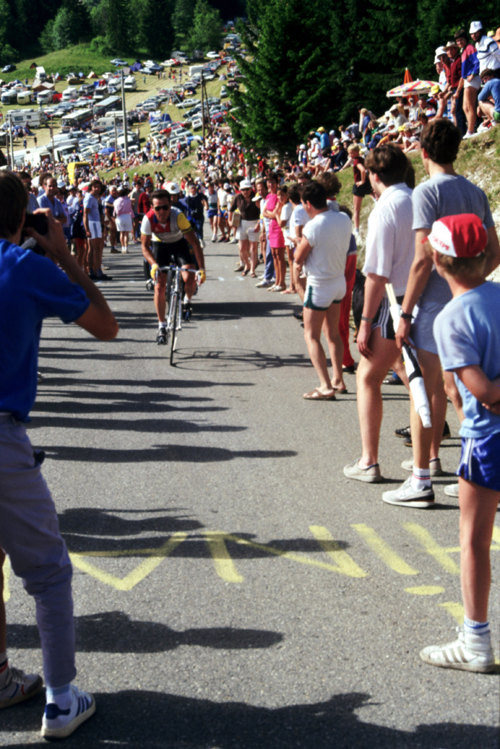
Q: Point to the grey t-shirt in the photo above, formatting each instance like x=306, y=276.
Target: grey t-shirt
x=445, y=195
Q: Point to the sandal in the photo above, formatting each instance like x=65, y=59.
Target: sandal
x=253, y=275
x=246, y=272
x=340, y=391
x=318, y=395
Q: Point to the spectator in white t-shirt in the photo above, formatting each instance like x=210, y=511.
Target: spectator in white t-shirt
x=322, y=252
x=298, y=220
x=390, y=248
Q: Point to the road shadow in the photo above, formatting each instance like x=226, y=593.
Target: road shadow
x=115, y=632
x=161, y=454
x=135, y=719
x=156, y=426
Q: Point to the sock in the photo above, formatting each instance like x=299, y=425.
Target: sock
x=162, y=325
x=476, y=628
x=61, y=696
x=4, y=669
x=421, y=479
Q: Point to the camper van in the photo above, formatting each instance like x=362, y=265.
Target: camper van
x=130, y=83
x=24, y=97
x=9, y=97
x=195, y=70
x=45, y=97
x=41, y=74
x=69, y=94
x=31, y=117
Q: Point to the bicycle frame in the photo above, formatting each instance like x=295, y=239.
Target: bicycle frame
x=174, y=293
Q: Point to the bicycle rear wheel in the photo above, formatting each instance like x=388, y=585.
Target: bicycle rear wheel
x=174, y=316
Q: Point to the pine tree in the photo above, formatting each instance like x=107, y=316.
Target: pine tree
x=182, y=20
x=157, y=33
x=206, y=33
x=287, y=76
x=117, y=31
x=71, y=25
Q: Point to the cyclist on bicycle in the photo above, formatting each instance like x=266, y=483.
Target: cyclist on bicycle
x=166, y=236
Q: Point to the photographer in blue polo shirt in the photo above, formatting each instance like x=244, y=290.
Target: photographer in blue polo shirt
x=32, y=288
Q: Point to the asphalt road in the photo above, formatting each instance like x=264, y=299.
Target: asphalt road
x=232, y=589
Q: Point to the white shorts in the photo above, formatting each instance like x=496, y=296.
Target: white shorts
x=319, y=296
x=245, y=231
x=475, y=83
x=124, y=223
x=95, y=229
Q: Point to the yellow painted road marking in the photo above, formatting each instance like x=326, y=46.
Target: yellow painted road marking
x=342, y=560
x=224, y=565
x=290, y=555
x=383, y=550
x=440, y=554
x=139, y=573
x=6, y=579
x=456, y=610
x=425, y=590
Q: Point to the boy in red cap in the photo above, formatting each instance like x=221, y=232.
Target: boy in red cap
x=467, y=333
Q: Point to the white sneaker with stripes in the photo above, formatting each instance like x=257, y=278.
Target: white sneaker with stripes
x=58, y=723
x=468, y=653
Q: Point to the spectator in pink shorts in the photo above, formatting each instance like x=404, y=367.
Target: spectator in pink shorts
x=272, y=211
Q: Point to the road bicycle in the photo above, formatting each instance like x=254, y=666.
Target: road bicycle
x=174, y=296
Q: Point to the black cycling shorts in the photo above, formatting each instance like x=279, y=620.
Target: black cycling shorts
x=176, y=253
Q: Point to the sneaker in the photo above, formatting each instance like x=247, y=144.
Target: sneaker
x=186, y=311
x=434, y=465
x=298, y=315
x=124, y=250
x=161, y=338
x=19, y=687
x=468, y=653
x=451, y=490
x=57, y=723
x=403, y=432
x=114, y=251
x=234, y=240
x=370, y=475
x=214, y=238
x=264, y=284
x=406, y=496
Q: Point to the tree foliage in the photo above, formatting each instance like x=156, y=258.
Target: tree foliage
x=157, y=14
x=182, y=20
x=206, y=32
x=118, y=25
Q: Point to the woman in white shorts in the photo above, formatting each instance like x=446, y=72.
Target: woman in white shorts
x=322, y=252
x=248, y=231
x=124, y=215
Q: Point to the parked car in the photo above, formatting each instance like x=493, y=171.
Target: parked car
x=9, y=68
x=118, y=61
x=212, y=55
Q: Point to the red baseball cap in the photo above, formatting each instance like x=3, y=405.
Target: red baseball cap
x=459, y=236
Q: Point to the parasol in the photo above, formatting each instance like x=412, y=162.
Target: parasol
x=414, y=87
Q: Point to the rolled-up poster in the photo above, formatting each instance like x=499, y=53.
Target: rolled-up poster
x=417, y=386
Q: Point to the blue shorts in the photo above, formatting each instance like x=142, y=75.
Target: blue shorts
x=223, y=214
x=212, y=212
x=479, y=461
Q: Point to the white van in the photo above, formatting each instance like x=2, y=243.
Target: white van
x=195, y=70
x=40, y=73
x=69, y=94
x=44, y=97
x=130, y=83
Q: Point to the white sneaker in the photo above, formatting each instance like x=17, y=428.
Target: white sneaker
x=434, y=465
x=468, y=653
x=57, y=723
x=214, y=238
x=451, y=490
x=234, y=240
x=406, y=496
x=19, y=687
x=124, y=250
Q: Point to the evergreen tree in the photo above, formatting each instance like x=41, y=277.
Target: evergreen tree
x=157, y=15
x=182, y=20
x=6, y=22
x=71, y=25
x=117, y=27
x=206, y=33
x=288, y=76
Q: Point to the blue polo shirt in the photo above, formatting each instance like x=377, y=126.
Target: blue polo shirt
x=31, y=288
x=55, y=207
x=491, y=88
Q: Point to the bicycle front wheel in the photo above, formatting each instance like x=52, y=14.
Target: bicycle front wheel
x=174, y=318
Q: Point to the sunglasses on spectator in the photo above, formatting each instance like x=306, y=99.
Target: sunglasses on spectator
x=163, y=207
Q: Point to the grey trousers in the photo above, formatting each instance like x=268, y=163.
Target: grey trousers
x=29, y=534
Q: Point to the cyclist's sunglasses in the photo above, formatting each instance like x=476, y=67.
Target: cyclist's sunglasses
x=163, y=207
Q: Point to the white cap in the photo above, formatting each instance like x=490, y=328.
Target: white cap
x=227, y=186
x=173, y=188
x=315, y=140
x=245, y=185
x=440, y=51
x=61, y=183
x=475, y=26
x=302, y=145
